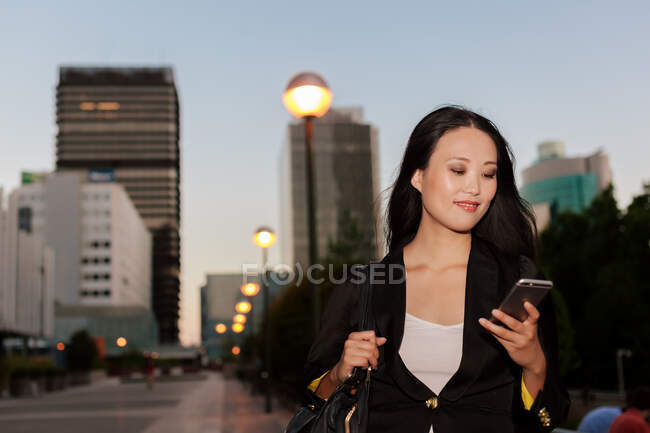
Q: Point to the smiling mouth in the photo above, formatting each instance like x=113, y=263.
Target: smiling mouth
x=467, y=206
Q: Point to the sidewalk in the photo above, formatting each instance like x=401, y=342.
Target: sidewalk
x=221, y=405
x=213, y=405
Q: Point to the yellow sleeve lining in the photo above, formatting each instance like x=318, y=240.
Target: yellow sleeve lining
x=525, y=395
x=313, y=386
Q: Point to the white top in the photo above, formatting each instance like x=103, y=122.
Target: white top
x=430, y=351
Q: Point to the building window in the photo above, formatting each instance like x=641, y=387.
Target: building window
x=107, y=260
x=107, y=292
x=25, y=219
x=84, y=260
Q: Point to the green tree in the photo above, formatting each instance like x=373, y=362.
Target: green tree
x=598, y=260
x=353, y=244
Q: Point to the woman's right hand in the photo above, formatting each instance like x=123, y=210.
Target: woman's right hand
x=359, y=350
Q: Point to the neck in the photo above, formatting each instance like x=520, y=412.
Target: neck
x=434, y=243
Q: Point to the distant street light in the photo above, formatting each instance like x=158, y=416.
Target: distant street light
x=220, y=328
x=121, y=342
x=239, y=318
x=60, y=346
x=236, y=350
x=264, y=238
x=237, y=328
x=308, y=96
x=243, y=307
x=250, y=289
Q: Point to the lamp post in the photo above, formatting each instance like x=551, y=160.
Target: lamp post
x=307, y=96
x=264, y=238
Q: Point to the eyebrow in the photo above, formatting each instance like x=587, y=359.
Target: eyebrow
x=462, y=158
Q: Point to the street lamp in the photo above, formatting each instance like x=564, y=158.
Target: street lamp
x=250, y=289
x=220, y=328
x=308, y=96
x=264, y=238
x=239, y=318
x=243, y=307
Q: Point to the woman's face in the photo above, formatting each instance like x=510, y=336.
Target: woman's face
x=460, y=179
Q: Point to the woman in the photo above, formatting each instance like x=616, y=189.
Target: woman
x=462, y=236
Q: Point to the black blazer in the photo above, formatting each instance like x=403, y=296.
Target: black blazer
x=484, y=395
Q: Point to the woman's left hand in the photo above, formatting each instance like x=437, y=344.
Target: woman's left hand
x=521, y=340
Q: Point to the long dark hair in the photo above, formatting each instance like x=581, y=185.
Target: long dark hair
x=509, y=224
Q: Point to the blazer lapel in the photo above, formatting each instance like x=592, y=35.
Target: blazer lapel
x=389, y=308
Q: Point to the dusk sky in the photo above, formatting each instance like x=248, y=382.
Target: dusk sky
x=573, y=71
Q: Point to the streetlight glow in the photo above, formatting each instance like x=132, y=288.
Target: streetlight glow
x=60, y=346
x=121, y=342
x=237, y=328
x=264, y=237
x=307, y=95
x=243, y=307
x=239, y=318
x=236, y=350
x=220, y=328
x=250, y=289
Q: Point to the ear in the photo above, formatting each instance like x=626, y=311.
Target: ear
x=416, y=180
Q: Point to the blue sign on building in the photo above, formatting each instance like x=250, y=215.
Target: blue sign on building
x=104, y=175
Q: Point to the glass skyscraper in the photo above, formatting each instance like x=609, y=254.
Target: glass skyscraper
x=555, y=183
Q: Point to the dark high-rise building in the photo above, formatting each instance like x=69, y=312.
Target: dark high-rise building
x=346, y=181
x=122, y=124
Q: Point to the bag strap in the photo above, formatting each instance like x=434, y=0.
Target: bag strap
x=366, y=318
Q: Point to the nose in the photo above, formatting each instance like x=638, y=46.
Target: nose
x=472, y=185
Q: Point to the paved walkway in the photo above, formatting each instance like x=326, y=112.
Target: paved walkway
x=214, y=405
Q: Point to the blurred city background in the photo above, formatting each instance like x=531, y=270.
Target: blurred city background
x=160, y=183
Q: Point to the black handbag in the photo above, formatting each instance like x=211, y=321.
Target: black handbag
x=346, y=409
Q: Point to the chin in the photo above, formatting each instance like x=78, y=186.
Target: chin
x=462, y=228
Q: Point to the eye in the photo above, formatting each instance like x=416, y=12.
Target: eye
x=458, y=171
x=490, y=175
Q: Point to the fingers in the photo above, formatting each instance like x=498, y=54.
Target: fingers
x=507, y=320
x=498, y=331
x=361, y=349
x=533, y=313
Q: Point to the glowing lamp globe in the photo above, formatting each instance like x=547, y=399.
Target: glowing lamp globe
x=250, y=289
x=239, y=318
x=264, y=237
x=237, y=328
x=243, y=307
x=307, y=95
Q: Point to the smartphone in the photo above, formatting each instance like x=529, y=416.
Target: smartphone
x=525, y=289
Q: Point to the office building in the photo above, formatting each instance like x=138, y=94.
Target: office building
x=27, y=267
x=122, y=125
x=556, y=183
x=101, y=245
x=346, y=180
